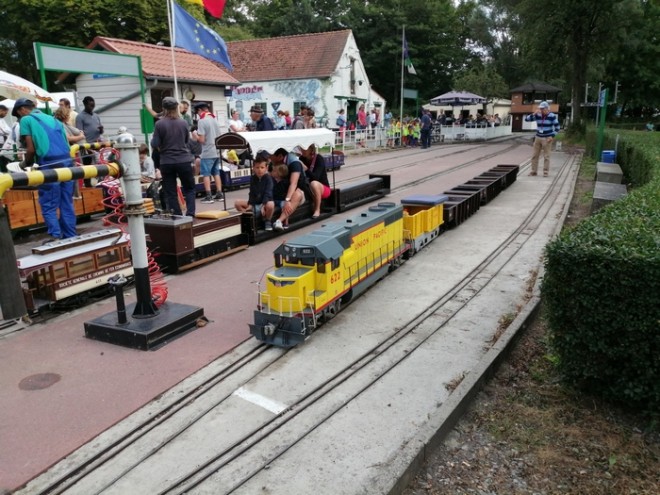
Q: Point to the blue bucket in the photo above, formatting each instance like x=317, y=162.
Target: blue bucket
x=608, y=156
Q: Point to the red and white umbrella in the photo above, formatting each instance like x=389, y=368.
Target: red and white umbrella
x=14, y=87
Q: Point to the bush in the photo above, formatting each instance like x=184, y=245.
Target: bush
x=602, y=292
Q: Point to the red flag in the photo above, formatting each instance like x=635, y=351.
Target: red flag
x=213, y=7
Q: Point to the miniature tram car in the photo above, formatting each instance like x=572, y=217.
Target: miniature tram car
x=184, y=242
x=70, y=270
x=318, y=273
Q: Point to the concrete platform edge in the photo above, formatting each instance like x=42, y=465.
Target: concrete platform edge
x=437, y=429
x=432, y=436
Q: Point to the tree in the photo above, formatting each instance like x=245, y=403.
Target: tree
x=484, y=81
x=434, y=43
x=636, y=64
x=25, y=21
x=568, y=37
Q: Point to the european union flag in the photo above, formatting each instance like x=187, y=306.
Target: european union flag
x=194, y=36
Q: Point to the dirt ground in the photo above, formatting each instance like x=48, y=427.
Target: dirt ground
x=528, y=434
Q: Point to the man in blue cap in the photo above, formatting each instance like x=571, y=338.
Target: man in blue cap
x=547, y=127
x=47, y=145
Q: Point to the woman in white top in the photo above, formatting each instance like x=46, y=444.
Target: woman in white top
x=235, y=124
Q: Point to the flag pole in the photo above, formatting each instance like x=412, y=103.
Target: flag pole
x=403, y=40
x=172, y=28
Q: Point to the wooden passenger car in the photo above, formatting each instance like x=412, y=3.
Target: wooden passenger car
x=72, y=267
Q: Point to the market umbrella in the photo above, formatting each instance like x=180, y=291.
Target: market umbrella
x=15, y=87
x=455, y=98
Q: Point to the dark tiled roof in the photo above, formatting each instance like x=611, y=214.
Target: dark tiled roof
x=157, y=61
x=536, y=86
x=301, y=56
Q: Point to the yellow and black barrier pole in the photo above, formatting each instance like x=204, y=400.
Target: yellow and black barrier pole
x=12, y=302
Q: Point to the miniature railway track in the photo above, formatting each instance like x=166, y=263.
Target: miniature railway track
x=109, y=469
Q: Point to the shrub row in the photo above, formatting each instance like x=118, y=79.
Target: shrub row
x=602, y=288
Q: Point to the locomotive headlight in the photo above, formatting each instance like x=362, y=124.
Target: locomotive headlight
x=269, y=328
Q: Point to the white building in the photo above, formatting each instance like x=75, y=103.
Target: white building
x=118, y=100
x=321, y=70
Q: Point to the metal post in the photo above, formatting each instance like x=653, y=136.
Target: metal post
x=12, y=302
x=600, y=87
x=134, y=211
x=117, y=282
x=602, y=100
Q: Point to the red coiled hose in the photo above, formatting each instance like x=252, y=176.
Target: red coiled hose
x=114, y=203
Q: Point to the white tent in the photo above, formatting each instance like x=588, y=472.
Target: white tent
x=499, y=106
x=272, y=140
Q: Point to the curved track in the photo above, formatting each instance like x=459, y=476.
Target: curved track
x=153, y=443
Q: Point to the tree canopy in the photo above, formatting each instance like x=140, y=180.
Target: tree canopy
x=482, y=46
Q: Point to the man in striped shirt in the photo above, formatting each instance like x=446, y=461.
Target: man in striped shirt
x=547, y=127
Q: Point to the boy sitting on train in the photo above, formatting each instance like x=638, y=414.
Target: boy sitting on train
x=317, y=176
x=280, y=175
x=298, y=188
x=260, y=198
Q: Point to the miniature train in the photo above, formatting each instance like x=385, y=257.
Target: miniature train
x=181, y=242
x=318, y=273
x=71, y=270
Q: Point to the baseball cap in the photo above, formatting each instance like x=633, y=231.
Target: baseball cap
x=200, y=104
x=544, y=104
x=170, y=103
x=21, y=102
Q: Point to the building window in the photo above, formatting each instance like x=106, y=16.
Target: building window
x=296, y=107
x=353, y=81
x=157, y=96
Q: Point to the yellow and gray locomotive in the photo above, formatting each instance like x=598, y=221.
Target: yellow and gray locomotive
x=316, y=273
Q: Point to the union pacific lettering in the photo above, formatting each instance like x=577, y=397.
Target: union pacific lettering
x=361, y=243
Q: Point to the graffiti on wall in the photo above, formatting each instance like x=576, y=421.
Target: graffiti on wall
x=253, y=92
x=300, y=90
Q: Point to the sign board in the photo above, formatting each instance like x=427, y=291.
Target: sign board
x=410, y=93
x=601, y=98
x=66, y=59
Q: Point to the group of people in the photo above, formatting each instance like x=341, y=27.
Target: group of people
x=284, y=181
x=46, y=140
x=179, y=146
x=469, y=120
x=304, y=119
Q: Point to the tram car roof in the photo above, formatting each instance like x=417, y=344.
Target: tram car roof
x=67, y=248
x=270, y=141
x=332, y=239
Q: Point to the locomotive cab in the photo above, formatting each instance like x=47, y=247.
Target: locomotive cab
x=305, y=285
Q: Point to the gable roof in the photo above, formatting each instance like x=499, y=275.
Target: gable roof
x=302, y=56
x=157, y=61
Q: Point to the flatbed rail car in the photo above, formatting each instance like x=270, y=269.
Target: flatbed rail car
x=269, y=141
x=70, y=270
x=183, y=242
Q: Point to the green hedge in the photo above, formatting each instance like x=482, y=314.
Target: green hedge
x=602, y=290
